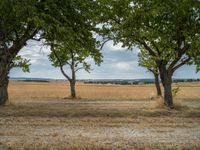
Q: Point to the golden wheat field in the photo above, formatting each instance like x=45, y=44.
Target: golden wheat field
x=39, y=116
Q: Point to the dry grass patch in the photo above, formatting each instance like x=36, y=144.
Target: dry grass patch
x=178, y=104
x=106, y=117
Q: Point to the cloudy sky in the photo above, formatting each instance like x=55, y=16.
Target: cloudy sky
x=118, y=63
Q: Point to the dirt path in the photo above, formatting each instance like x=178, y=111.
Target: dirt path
x=61, y=124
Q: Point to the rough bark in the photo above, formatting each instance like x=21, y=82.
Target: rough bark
x=168, y=91
x=166, y=78
x=4, y=70
x=5, y=65
x=157, y=84
x=4, y=90
x=73, y=79
x=73, y=89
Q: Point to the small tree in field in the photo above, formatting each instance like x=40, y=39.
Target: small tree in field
x=73, y=57
x=147, y=61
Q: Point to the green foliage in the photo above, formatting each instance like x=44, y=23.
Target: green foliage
x=175, y=91
x=17, y=18
x=22, y=63
x=164, y=28
x=72, y=54
x=196, y=60
x=147, y=61
x=75, y=55
x=73, y=45
x=22, y=20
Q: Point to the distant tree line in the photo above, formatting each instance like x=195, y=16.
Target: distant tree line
x=127, y=82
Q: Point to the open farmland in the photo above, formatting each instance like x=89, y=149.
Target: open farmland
x=104, y=117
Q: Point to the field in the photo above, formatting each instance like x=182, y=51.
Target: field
x=40, y=116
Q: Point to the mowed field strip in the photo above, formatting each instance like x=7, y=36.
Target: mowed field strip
x=104, y=117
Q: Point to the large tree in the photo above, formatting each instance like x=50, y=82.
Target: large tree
x=168, y=30
x=22, y=20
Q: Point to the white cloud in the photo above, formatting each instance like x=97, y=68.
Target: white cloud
x=35, y=51
x=122, y=66
x=118, y=64
x=119, y=48
x=110, y=46
x=89, y=60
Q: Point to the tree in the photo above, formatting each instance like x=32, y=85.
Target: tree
x=16, y=28
x=147, y=61
x=168, y=30
x=74, y=47
x=18, y=62
x=74, y=57
x=23, y=20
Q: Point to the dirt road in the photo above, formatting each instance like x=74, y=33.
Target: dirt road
x=92, y=124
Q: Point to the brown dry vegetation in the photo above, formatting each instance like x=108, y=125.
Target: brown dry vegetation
x=105, y=117
x=31, y=91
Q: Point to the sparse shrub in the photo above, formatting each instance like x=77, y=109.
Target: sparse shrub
x=175, y=91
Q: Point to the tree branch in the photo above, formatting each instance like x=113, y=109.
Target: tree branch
x=102, y=45
x=181, y=52
x=151, y=52
x=183, y=62
x=68, y=63
x=35, y=39
x=16, y=34
x=153, y=71
x=17, y=45
x=153, y=43
x=76, y=64
x=79, y=69
x=60, y=64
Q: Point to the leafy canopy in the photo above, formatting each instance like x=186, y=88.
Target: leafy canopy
x=147, y=61
x=77, y=43
x=67, y=54
x=169, y=30
x=22, y=20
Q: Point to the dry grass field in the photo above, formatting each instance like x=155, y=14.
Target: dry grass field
x=104, y=117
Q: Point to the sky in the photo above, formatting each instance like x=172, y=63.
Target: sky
x=118, y=63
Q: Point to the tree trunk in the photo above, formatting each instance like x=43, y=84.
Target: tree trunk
x=157, y=84
x=166, y=79
x=168, y=98
x=7, y=54
x=73, y=89
x=4, y=79
x=73, y=79
x=4, y=92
